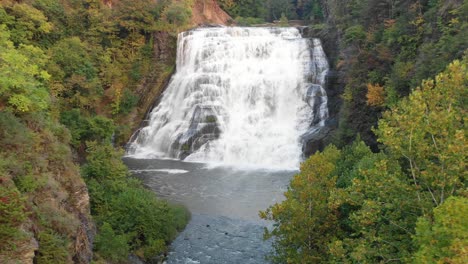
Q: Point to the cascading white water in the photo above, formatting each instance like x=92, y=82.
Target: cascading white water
x=240, y=96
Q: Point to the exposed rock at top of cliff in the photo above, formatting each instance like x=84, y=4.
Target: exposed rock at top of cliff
x=209, y=12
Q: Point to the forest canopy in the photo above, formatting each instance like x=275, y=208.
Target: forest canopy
x=406, y=203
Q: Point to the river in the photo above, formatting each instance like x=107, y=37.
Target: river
x=224, y=202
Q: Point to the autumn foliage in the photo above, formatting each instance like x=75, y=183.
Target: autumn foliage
x=375, y=95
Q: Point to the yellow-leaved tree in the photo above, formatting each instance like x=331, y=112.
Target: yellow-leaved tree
x=427, y=129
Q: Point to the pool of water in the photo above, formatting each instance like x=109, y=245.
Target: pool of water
x=224, y=202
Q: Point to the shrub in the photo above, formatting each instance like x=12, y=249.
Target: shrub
x=12, y=215
x=129, y=100
x=27, y=183
x=52, y=248
x=136, y=211
x=154, y=249
x=375, y=95
x=128, y=212
x=100, y=129
x=177, y=14
x=103, y=163
x=355, y=34
x=71, y=57
x=97, y=128
x=111, y=246
x=180, y=216
x=283, y=22
x=443, y=239
x=248, y=21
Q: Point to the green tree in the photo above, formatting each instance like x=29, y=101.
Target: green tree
x=75, y=74
x=111, y=246
x=276, y=8
x=355, y=34
x=26, y=23
x=444, y=238
x=135, y=16
x=306, y=222
x=70, y=56
x=12, y=216
x=22, y=76
x=248, y=8
x=283, y=20
x=82, y=128
x=428, y=130
x=178, y=14
x=104, y=163
x=377, y=212
x=53, y=248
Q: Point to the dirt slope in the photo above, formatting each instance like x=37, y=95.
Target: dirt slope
x=209, y=12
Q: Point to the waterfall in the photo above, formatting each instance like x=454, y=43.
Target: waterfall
x=240, y=96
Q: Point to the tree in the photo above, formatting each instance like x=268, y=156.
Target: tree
x=177, y=14
x=135, y=16
x=249, y=8
x=375, y=95
x=283, y=20
x=103, y=163
x=22, y=76
x=12, y=216
x=306, y=222
x=26, y=23
x=444, y=238
x=377, y=212
x=355, y=34
x=427, y=129
x=111, y=246
x=73, y=67
x=277, y=7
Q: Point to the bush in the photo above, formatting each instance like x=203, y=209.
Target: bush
x=355, y=34
x=111, y=246
x=248, y=21
x=283, y=22
x=70, y=57
x=136, y=211
x=100, y=129
x=177, y=14
x=443, y=239
x=154, y=249
x=129, y=100
x=180, y=215
x=12, y=215
x=103, y=163
x=28, y=183
x=52, y=248
x=97, y=128
x=14, y=135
